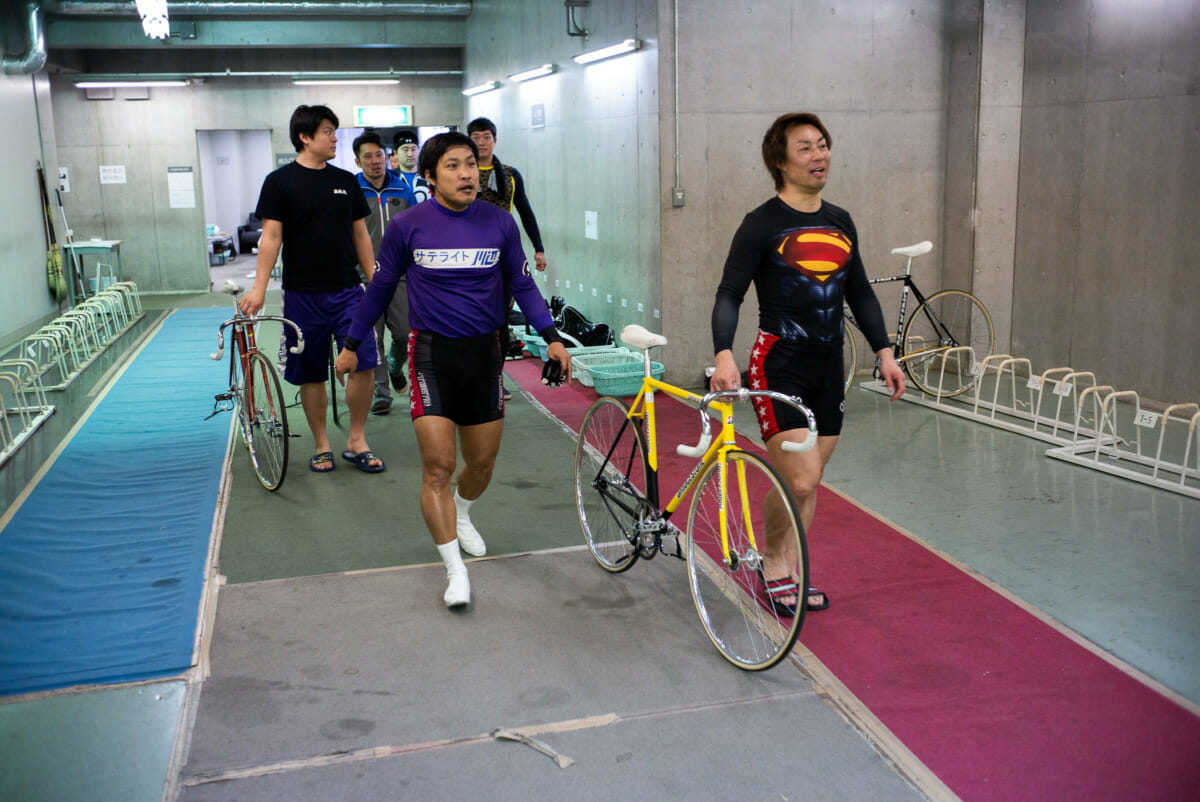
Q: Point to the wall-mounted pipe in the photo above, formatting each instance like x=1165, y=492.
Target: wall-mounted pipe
x=35, y=58
x=263, y=8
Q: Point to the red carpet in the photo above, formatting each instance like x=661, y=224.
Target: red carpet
x=998, y=704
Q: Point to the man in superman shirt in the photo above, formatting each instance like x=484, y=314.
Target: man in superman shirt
x=801, y=253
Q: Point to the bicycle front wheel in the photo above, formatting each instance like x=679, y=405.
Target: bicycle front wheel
x=948, y=319
x=727, y=583
x=265, y=422
x=610, y=483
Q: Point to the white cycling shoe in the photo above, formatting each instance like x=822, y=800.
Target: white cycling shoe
x=458, y=584
x=468, y=536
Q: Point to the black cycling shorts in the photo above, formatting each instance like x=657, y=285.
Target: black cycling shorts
x=456, y=377
x=810, y=371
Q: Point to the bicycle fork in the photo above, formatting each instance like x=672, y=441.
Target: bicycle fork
x=752, y=558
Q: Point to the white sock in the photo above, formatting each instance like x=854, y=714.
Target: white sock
x=458, y=587
x=468, y=536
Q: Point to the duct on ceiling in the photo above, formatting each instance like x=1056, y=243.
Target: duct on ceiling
x=266, y=8
x=35, y=58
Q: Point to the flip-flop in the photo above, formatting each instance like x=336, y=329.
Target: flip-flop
x=322, y=457
x=776, y=590
x=362, y=460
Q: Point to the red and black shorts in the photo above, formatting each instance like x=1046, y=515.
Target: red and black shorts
x=810, y=371
x=456, y=377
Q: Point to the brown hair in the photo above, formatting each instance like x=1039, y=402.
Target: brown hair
x=774, y=144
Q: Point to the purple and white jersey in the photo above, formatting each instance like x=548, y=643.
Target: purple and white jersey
x=456, y=264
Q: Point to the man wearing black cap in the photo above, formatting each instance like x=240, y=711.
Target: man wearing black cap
x=406, y=150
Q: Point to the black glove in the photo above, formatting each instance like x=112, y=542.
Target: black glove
x=552, y=373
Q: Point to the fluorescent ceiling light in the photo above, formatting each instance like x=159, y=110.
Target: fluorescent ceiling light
x=479, y=89
x=126, y=84
x=536, y=72
x=628, y=46
x=345, y=81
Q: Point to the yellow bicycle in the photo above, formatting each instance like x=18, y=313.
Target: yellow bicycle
x=741, y=512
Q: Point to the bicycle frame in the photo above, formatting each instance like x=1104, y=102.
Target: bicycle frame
x=910, y=284
x=244, y=344
x=709, y=449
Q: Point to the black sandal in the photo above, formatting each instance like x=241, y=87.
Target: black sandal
x=824, y=603
x=777, y=590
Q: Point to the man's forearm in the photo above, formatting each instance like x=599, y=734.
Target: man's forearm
x=268, y=252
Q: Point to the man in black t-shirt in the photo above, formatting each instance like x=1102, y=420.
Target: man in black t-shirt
x=317, y=212
x=802, y=255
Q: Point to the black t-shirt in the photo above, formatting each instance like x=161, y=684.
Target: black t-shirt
x=317, y=209
x=803, y=265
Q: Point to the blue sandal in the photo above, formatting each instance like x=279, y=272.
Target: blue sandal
x=323, y=458
x=363, y=459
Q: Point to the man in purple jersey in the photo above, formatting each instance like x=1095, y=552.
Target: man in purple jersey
x=458, y=255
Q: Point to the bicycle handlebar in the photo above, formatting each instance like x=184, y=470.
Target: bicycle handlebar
x=697, y=451
x=242, y=320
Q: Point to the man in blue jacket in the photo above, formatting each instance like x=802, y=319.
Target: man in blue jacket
x=387, y=194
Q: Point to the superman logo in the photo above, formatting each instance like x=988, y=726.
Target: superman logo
x=818, y=253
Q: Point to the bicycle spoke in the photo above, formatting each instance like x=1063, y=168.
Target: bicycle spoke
x=266, y=422
x=762, y=521
x=610, y=481
x=946, y=321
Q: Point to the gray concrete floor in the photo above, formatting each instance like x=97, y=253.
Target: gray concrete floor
x=362, y=686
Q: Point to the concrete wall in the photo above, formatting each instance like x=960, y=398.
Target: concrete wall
x=875, y=72
x=1107, y=271
x=25, y=301
x=597, y=152
x=164, y=249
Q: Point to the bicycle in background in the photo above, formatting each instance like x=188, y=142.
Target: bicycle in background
x=255, y=393
x=947, y=319
x=740, y=510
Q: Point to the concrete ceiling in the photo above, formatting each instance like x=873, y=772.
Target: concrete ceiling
x=269, y=36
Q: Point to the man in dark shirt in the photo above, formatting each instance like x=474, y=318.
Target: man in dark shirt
x=802, y=255
x=387, y=194
x=316, y=212
x=503, y=186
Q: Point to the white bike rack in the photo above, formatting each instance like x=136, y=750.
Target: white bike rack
x=53, y=356
x=1092, y=424
x=23, y=404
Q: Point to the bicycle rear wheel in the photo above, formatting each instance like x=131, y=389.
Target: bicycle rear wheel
x=849, y=356
x=730, y=597
x=333, y=383
x=946, y=320
x=265, y=422
x=610, y=483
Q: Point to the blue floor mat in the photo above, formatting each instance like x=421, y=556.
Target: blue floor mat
x=102, y=566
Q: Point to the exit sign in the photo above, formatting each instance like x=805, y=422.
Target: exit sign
x=382, y=116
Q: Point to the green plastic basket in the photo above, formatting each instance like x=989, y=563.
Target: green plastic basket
x=535, y=345
x=622, y=380
x=582, y=363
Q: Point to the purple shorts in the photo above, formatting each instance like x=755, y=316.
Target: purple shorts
x=321, y=316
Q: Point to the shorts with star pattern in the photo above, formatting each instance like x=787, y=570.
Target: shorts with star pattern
x=810, y=371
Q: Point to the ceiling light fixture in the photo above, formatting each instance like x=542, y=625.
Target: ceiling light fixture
x=345, y=81
x=536, y=72
x=628, y=46
x=126, y=84
x=479, y=89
